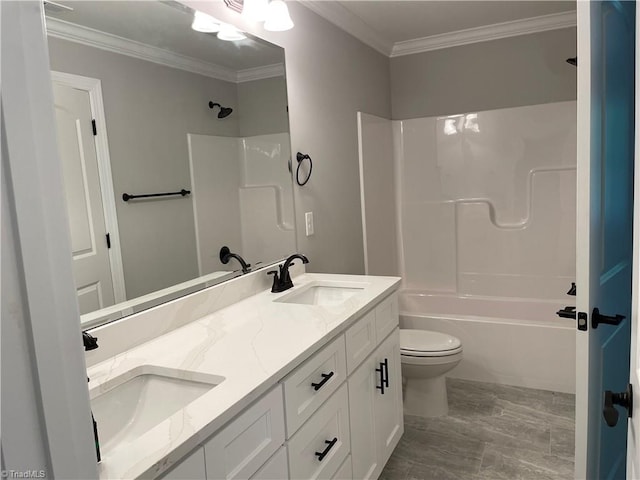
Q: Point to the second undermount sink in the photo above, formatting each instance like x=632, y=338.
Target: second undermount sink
x=324, y=293
x=140, y=399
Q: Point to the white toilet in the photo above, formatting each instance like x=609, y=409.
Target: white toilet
x=426, y=357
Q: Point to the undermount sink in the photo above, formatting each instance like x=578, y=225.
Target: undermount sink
x=140, y=399
x=324, y=293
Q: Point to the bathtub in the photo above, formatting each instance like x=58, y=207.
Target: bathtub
x=510, y=341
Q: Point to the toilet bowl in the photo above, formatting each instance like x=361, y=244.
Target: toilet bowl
x=425, y=358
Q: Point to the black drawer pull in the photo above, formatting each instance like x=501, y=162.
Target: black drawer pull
x=325, y=379
x=386, y=372
x=330, y=444
x=382, y=380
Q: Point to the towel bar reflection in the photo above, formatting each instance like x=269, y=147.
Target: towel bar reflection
x=126, y=196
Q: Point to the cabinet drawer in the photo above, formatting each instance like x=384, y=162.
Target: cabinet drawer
x=386, y=316
x=243, y=446
x=326, y=370
x=190, y=468
x=326, y=433
x=345, y=472
x=360, y=340
x=276, y=468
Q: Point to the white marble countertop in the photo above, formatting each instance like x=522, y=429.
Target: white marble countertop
x=252, y=344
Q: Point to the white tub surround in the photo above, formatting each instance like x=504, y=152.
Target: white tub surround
x=253, y=344
x=487, y=201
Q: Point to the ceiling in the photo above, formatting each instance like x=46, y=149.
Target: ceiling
x=384, y=24
x=390, y=26
x=166, y=25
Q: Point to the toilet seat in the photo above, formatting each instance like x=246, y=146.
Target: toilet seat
x=423, y=343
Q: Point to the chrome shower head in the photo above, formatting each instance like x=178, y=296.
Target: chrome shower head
x=224, y=111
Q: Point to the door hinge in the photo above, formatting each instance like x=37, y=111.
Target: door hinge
x=93, y=126
x=108, y=241
x=582, y=321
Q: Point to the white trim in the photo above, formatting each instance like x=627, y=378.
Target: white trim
x=112, y=43
x=633, y=433
x=260, y=73
x=485, y=33
x=583, y=464
x=352, y=24
x=43, y=253
x=363, y=209
x=93, y=87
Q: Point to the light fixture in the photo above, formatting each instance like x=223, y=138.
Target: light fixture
x=255, y=10
x=278, y=18
x=205, y=23
x=230, y=33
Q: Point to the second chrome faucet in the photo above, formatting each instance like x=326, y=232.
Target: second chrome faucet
x=282, y=281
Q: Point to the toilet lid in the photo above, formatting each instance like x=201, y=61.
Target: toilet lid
x=413, y=342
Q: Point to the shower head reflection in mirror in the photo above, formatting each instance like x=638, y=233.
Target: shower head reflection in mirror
x=236, y=169
x=224, y=111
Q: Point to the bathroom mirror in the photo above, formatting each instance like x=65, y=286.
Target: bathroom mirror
x=146, y=105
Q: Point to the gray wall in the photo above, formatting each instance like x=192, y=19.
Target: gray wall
x=330, y=77
x=149, y=110
x=510, y=72
x=262, y=107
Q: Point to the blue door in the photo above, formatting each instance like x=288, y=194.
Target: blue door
x=606, y=85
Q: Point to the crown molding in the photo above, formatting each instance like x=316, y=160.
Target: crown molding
x=260, y=73
x=124, y=46
x=486, y=33
x=350, y=23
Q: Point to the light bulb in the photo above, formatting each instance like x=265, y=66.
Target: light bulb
x=278, y=18
x=205, y=23
x=230, y=33
x=255, y=10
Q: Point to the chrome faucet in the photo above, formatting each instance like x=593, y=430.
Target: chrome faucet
x=226, y=255
x=283, y=281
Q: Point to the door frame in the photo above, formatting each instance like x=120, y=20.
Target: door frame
x=93, y=87
x=633, y=439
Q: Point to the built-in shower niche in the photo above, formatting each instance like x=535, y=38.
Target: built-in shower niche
x=244, y=178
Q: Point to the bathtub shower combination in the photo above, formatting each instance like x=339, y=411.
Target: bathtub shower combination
x=484, y=209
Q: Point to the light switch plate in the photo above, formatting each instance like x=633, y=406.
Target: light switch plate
x=308, y=222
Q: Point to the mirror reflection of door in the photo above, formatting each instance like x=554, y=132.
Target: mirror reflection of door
x=96, y=284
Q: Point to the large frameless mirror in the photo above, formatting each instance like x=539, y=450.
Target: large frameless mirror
x=174, y=144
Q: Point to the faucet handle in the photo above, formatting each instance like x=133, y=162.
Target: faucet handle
x=90, y=342
x=276, y=281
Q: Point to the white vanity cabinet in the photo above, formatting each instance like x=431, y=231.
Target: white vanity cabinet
x=374, y=417
x=337, y=416
x=244, y=448
x=375, y=400
x=241, y=448
x=190, y=468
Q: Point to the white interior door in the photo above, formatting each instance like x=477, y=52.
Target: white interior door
x=606, y=67
x=89, y=243
x=633, y=438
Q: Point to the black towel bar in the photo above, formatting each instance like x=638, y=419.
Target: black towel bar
x=126, y=196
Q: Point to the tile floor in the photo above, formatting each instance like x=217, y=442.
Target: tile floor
x=492, y=432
